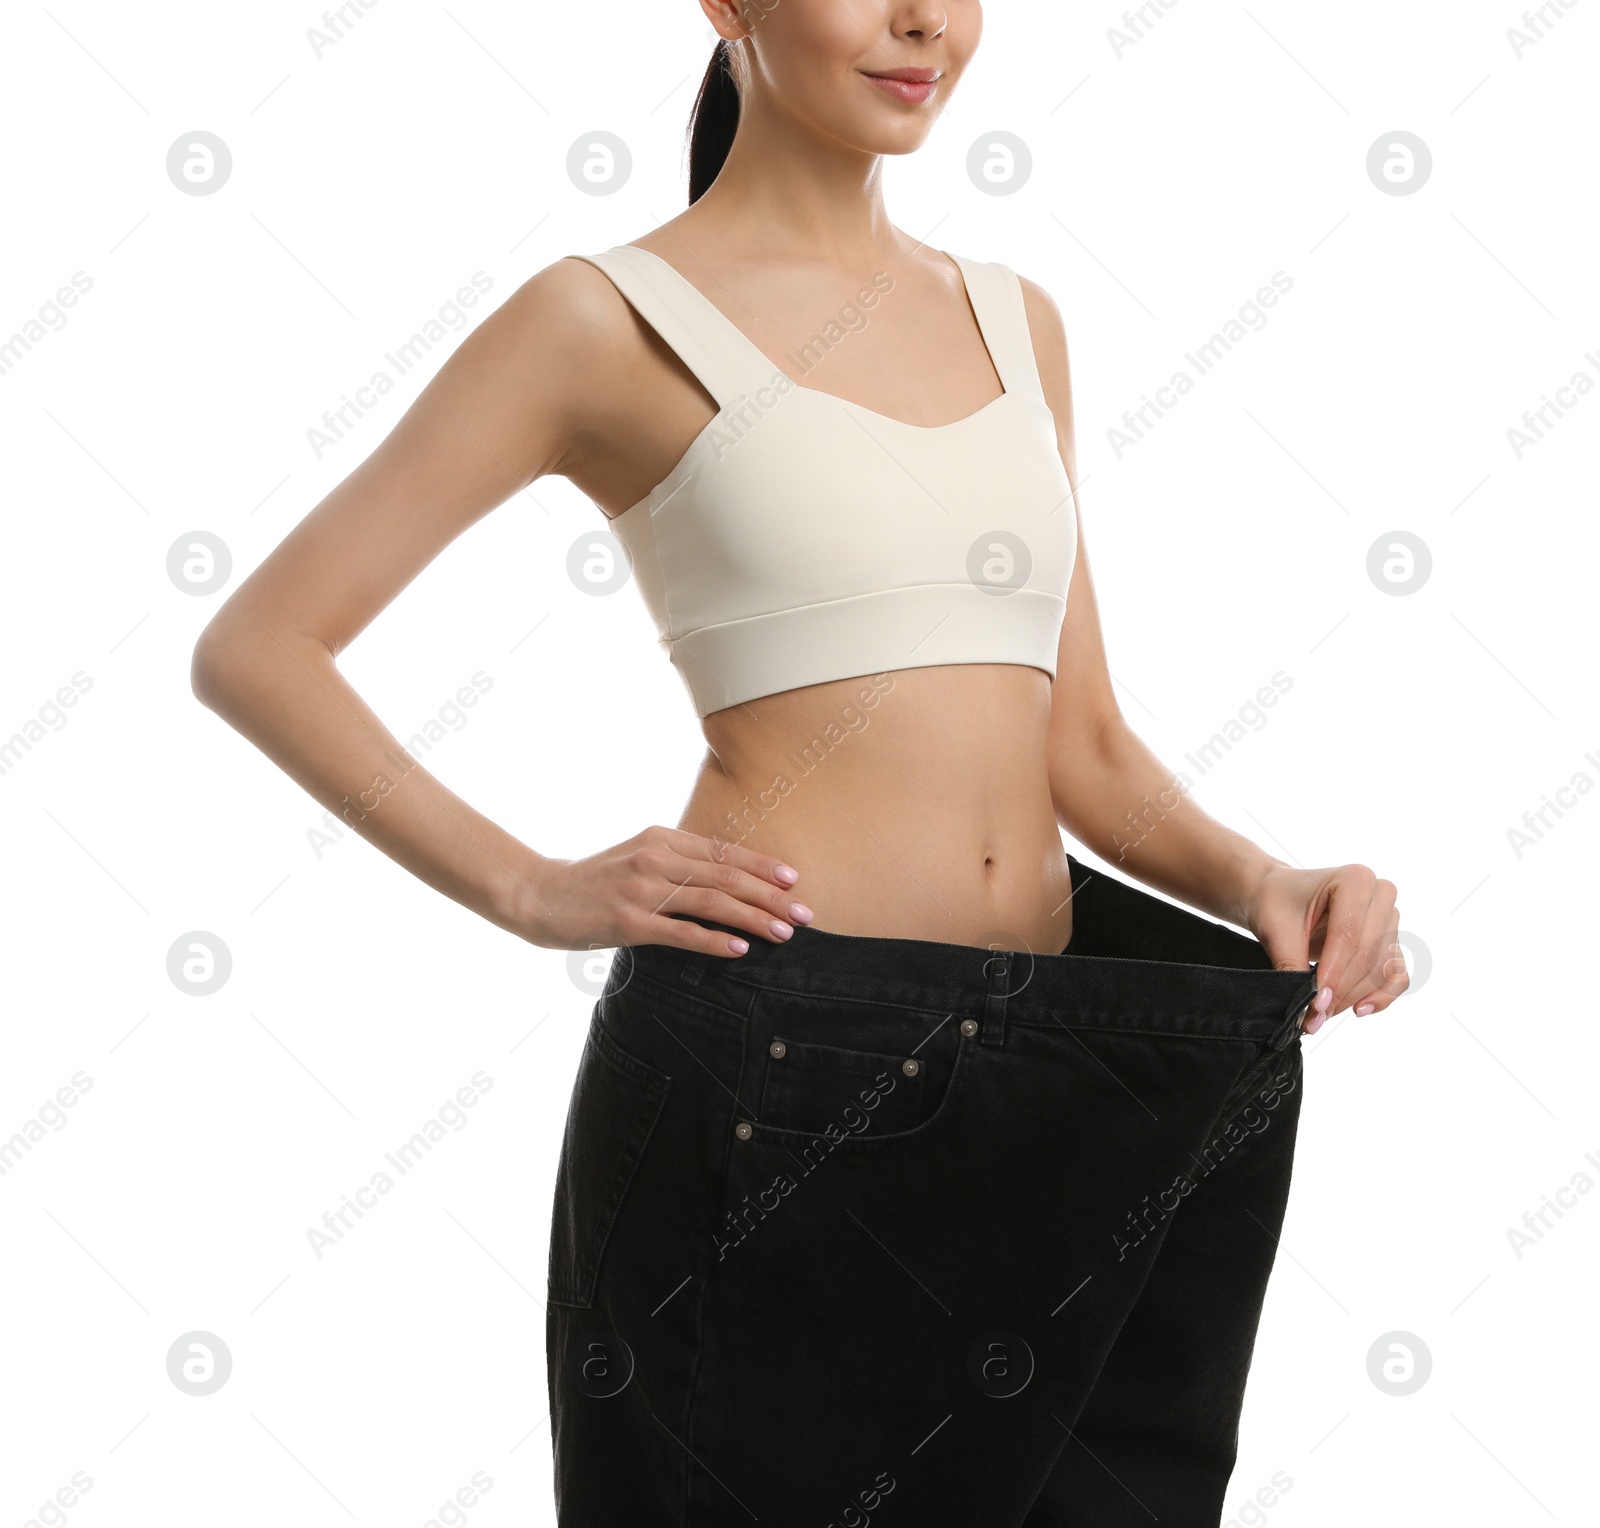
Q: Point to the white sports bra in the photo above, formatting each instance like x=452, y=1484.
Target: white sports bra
x=803, y=538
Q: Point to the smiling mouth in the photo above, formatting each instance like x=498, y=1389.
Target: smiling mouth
x=911, y=85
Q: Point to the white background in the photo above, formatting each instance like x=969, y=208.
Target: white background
x=1168, y=184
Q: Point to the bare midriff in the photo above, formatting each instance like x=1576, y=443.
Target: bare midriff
x=915, y=804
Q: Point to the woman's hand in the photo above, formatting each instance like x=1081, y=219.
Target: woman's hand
x=1343, y=918
x=626, y=894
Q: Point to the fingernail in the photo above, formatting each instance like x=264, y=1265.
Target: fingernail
x=787, y=874
x=738, y=946
x=800, y=912
x=1323, y=999
x=1365, y=1009
x=1315, y=1022
x=781, y=929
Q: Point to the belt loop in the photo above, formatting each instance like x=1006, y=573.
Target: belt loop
x=1285, y=1031
x=998, y=969
x=694, y=965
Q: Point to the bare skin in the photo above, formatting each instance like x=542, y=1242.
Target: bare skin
x=938, y=816
x=927, y=822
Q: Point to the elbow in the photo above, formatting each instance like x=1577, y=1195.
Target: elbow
x=239, y=660
x=1090, y=731
x=205, y=670
x=214, y=665
x=1087, y=747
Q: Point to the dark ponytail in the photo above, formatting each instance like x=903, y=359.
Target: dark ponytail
x=713, y=122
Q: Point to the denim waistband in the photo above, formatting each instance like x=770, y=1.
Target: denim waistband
x=1134, y=962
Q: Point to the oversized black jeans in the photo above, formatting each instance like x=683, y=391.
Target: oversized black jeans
x=856, y=1230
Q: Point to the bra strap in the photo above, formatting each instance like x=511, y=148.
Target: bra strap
x=997, y=300
x=728, y=365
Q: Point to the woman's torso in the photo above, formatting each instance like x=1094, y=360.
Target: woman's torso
x=914, y=802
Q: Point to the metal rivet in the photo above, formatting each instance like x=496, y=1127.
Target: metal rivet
x=743, y=1131
x=778, y=1050
x=910, y=1068
x=969, y=1027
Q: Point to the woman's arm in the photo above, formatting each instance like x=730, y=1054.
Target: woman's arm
x=1121, y=802
x=1110, y=791
x=518, y=399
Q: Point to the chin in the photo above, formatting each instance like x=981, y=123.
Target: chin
x=893, y=137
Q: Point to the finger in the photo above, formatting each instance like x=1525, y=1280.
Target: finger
x=767, y=866
x=693, y=903
x=743, y=886
x=1364, y=972
x=682, y=934
x=1397, y=975
x=717, y=906
x=1389, y=977
x=1282, y=932
x=1349, y=899
x=1288, y=945
x=1288, y=948
x=660, y=878
x=1366, y=969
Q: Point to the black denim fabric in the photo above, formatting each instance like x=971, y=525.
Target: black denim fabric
x=857, y=1230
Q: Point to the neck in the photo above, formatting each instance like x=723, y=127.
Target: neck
x=787, y=191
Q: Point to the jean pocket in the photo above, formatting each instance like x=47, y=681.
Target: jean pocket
x=616, y=1102
x=808, y=1087
x=845, y=1073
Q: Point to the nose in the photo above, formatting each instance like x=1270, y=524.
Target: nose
x=923, y=20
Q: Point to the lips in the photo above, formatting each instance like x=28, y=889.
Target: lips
x=910, y=85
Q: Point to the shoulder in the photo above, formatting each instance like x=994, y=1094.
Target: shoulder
x=1048, y=333
x=1044, y=316
x=564, y=333
x=568, y=301
x=1045, y=324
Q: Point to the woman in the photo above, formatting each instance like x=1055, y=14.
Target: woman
x=885, y=1198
